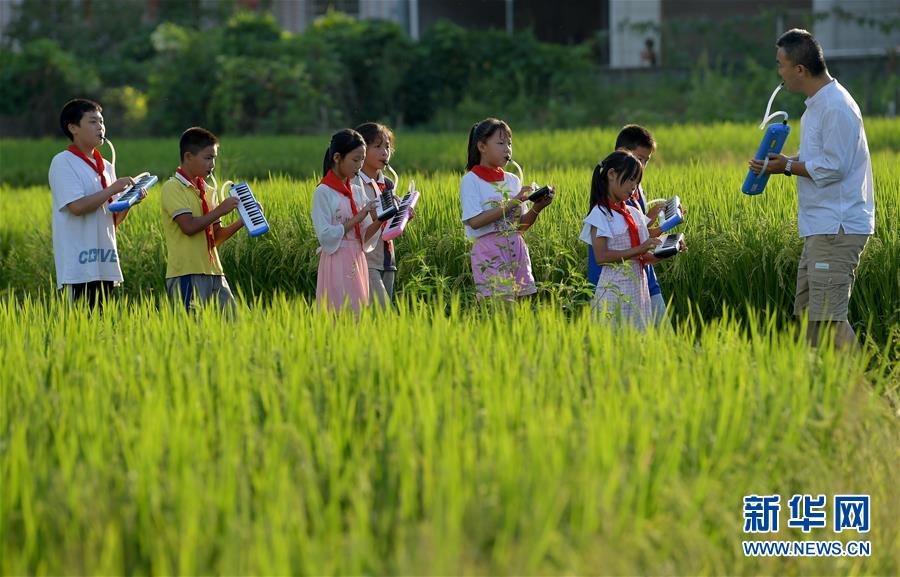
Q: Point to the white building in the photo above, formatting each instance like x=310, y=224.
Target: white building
x=628, y=24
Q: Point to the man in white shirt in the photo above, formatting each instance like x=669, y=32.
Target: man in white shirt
x=835, y=190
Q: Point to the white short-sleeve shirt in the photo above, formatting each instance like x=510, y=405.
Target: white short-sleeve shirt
x=612, y=225
x=84, y=247
x=478, y=195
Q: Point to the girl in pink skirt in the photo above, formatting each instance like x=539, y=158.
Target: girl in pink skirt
x=344, y=224
x=495, y=214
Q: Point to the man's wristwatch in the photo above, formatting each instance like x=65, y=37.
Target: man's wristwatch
x=787, y=167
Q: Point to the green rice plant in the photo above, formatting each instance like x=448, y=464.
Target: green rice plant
x=25, y=162
x=446, y=436
x=742, y=249
x=516, y=440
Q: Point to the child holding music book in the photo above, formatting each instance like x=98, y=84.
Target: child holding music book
x=193, y=229
x=618, y=234
x=495, y=214
x=345, y=226
x=381, y=259
x=640, y=142
x=82, y=183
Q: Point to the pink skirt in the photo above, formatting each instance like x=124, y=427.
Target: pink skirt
x=343, y=278
x=501, y=266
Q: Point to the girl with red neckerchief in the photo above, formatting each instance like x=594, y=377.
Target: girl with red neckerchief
x=382, y=258
x=345, y=226
x=496, y=214
x=622, y=244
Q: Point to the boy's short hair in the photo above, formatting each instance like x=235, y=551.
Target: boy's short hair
x=633, y=136
x=73, y=111
x=802, y=48
x=195, y=139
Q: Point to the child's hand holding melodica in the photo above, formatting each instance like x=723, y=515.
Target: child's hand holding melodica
x=370, y=210
x=523, y=194
x=510, y=206
x=654, y=211
x=545, y=200
x=650, y=244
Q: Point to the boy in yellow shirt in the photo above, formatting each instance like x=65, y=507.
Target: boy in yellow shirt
x=192, y=225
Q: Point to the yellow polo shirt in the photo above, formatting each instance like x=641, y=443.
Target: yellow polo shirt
x=186, y=254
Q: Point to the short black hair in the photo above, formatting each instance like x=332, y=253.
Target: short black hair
x=803, y=49
x=195, y=139
x=633, y=136
x=73, y=111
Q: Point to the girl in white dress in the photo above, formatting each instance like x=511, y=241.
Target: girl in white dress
x=621, y=242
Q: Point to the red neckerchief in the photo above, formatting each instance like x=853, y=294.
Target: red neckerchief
x=200, y=185
x=332, y=181
x=635, y=197
x=98, y=166
x=488, y=174
x=633, y=232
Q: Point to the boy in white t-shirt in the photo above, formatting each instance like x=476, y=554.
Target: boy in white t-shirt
x=84, y=230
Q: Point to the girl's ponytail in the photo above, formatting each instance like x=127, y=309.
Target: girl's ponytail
x=328, y=162
x=474, y=157
x=599, y=188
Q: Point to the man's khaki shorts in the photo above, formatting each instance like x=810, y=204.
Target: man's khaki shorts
x=826, y=274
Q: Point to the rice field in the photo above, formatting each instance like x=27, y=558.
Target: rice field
x=444, y=437
x=743, y=250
